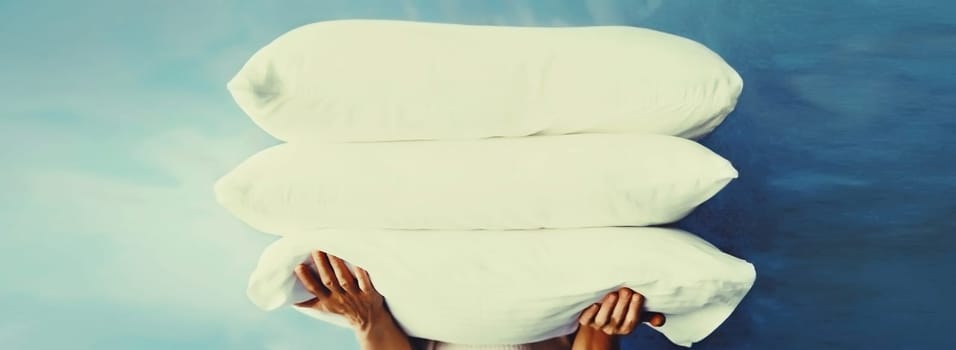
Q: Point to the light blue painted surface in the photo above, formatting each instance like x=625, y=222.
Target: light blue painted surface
x=115, y=121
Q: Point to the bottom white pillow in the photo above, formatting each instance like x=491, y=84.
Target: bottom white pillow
x=518, y=286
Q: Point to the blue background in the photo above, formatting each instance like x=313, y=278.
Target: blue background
x=115, y=122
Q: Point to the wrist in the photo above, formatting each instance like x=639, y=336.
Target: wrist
x=587, y=338
x=377, y=323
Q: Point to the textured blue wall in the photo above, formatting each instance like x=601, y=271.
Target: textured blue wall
x=843, y=137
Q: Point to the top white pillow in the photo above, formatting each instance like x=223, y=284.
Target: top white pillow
x=382, y=80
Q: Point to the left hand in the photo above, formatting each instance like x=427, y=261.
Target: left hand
x=619, y=313
x=338, y=291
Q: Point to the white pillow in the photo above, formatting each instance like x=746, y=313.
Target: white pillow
x=584, y=180
x=511, y=287
x=381, y=80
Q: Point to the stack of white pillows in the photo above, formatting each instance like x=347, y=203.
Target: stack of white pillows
x=494, y=181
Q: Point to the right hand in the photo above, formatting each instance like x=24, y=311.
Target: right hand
x=338, y=291
x=619, y=313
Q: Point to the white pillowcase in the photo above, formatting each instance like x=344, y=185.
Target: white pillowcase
x=520, y=286
x=585, y=180
x=381, y=80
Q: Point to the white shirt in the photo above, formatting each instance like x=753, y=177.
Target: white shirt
x=560, y=343
x=435, y=345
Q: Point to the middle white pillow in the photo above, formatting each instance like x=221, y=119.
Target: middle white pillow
x=568, y=181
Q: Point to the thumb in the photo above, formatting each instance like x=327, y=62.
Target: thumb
x=308, y=303
x=656, y=319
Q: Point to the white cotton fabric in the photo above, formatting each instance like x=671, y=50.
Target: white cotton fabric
x=518, y=287
x=435, y=345
x=585, y=180
x=383, y=80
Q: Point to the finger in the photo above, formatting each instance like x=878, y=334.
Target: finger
x=587, y=317
x=633, y=314
x=364, y=280
x=656, y=319
x=604, y=313
x=307, y=277
x=343, y=275
x=325, y=272
x=617, y=315
x=307, y=303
